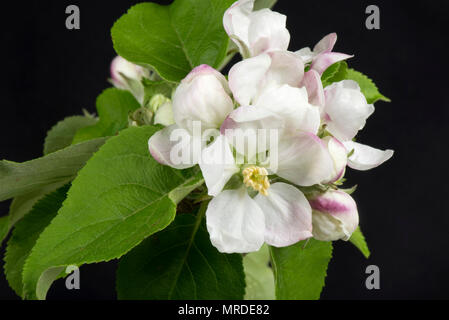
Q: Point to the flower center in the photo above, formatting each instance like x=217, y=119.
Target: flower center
x=256, y=178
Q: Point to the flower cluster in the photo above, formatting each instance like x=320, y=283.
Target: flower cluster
x=271, y=142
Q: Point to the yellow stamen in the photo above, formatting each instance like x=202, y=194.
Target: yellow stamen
x=256, y=178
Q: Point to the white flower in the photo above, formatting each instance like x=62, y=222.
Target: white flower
x=322, y=56
x=279, y=213
x=345, y=112
x=128, y=76
x=203, y=98
x=255, y=32
x=346, y=109
x=334, y=216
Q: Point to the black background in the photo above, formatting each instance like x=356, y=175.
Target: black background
x=48, y=72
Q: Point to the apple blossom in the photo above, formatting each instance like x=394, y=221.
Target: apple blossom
x=255, y=32
x=256, y=210
x=334, y=215
x=279, y=131
x=241, y=219
x=201, y=98
x=346, y=109
x=344, y=112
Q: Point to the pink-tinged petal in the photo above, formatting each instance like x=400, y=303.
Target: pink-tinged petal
x=217, y=165
x=365, y=157
x=206, y=70
x=288, y=215
x=267, y=32
x=314, y=86
x=285, y=68
x=236, y=21
x=116, y=78
x=246, y=76
x=326, y=59
x=346, y=109
x=303, y=159
x=326, y=44
x=235, y=222
x=339, y=156
x=202, y=96
x=173, y=146
x=334, y=215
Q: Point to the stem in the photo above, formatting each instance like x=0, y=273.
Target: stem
x=201, y=213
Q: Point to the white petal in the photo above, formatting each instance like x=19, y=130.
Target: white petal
x=291, y=105
x=288, y=215
x=346, y=108
x=282, y=109
x=236, y=23
x=305, y=54
x=314, y=86
x=285, y=68
x=326, y=44
x=303, y=159
x=173, y=146
x=250, y=129
x=324, y=60
x=217, y=165
x=202, y=96
x=366, y=157
x=267, y=32
x=246, y=76
x=235, y=222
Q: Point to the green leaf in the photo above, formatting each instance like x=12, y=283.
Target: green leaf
x=173, y=39
x=358, y=240
x=62, y=134
x=367, y=86
x=58, y=167
x=335, y=73
x=30, y=181
x=113, y=107
x=259, y=276
x=21, y=205
x=180, y=263
x=4, y=223
x=119, y=198
x=300, y=270
x=26, y=233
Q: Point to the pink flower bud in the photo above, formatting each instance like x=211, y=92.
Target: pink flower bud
x=202, y=96
x=334, y=216
x=122, y=69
